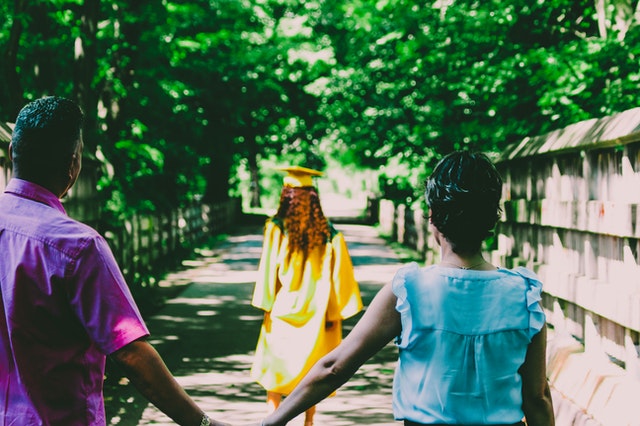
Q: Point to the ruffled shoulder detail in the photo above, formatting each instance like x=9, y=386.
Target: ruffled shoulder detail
x=537, y=317
x=399, y=288
x=399, y=281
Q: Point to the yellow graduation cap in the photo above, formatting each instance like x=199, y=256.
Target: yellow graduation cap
x=298, y=176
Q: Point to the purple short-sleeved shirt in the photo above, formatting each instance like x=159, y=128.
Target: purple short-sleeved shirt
x=64, y=306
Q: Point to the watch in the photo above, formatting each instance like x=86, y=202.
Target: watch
x=206, y=421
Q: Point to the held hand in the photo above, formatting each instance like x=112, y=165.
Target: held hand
x=258, y=423
x=213, y=422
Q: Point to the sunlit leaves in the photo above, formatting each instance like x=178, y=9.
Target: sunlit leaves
x=148, y=159
x=374, y=83
x=461, y=73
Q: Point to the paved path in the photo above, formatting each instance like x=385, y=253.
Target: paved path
x=207, y=336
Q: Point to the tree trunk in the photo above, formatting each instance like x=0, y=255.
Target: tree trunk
x=218, y=147
x=10, y=58
x=217, y=175
x=43, y=56
x=85, y=68
x=622, y=16
x=255, y=181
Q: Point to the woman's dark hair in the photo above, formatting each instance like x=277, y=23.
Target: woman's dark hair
x=463, y=194
x=45, y=137
x=302, y=218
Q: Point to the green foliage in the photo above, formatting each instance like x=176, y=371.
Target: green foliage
x=418, y=82
x=186, y=98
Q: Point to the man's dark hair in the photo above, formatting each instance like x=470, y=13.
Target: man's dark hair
x=463, y=194
x=45, y=137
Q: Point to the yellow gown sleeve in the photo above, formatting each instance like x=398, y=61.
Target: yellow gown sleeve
x=264, y=292
x=346, y=293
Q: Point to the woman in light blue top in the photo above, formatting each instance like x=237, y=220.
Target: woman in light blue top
x=471, y=336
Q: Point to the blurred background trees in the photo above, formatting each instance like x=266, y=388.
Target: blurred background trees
x=199, y=99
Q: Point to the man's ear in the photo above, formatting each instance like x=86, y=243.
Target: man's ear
x=74, y=167
x=10, y=150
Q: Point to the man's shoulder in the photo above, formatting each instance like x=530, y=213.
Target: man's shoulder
x=45, y=225
x=71, y=235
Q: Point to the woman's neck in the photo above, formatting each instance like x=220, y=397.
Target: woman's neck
x=451, y=259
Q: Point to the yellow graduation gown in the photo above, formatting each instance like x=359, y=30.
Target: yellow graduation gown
x=299, y=296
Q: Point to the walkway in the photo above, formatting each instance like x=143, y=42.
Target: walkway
x=207, y=335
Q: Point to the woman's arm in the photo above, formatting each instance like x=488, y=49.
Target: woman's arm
x=379, y=324
x=536, y=395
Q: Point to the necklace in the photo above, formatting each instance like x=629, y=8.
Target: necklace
x=465, y=267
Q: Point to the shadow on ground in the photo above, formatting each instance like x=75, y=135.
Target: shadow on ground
x=207, y=335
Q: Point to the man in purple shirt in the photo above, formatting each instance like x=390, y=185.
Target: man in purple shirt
x=64, y=304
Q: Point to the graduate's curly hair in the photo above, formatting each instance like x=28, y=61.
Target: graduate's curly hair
x=463, y=194
x=302, y=218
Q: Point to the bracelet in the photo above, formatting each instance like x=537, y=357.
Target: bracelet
x=206, y=421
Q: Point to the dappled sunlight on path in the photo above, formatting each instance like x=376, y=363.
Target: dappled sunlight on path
x=207, y=336
x=373, y=261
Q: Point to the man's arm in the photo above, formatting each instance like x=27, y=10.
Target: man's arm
x=147, y=371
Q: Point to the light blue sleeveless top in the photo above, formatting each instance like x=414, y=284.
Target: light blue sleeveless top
x=464, y=336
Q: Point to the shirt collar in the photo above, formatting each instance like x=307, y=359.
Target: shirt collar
x=35, y=192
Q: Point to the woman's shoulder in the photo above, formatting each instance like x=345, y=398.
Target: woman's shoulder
x=410, y=274
x=275, y=221
x=527, y=274
x=533, y=297
x=332, y=230
x=408, y=269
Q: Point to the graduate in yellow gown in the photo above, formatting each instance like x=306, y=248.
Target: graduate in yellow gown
x=306, y=287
